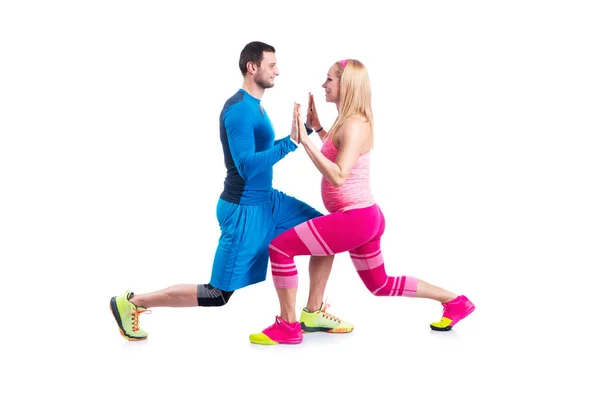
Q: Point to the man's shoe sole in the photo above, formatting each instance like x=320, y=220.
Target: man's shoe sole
x=310, y=329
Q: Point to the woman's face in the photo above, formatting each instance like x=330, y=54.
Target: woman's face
x=332, y=85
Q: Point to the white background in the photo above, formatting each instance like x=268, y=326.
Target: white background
x=486, y=166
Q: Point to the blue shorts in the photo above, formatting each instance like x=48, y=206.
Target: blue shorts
x=242, y=256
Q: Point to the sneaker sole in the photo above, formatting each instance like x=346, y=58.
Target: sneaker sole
x=460, y=318
x=309, y=329
x=115, y=313
x=267, y=341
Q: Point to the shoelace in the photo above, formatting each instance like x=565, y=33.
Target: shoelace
x=329, y=316
x=135, y=317
x=278, y=321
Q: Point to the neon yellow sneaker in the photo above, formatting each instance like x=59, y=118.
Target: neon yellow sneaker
x=321, y=321
x=127, y=316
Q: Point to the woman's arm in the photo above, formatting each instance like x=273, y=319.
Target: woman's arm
x=352, y=138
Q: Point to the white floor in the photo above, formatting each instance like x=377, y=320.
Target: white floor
x=485, y=163
x=511, y=346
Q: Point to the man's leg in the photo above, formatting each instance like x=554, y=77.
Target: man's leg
x=319, y=269
x=127, y=307
x=234, y=258
x=183, y=295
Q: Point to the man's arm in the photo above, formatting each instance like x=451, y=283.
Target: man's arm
x=240, y=135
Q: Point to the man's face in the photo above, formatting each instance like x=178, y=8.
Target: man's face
x=267, y=71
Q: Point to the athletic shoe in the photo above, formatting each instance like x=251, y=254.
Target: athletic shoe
x=322, y=321
x=127, y=316
x=454, y=311
x=281, y=332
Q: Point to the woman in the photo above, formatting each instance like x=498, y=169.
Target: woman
x=355, y=223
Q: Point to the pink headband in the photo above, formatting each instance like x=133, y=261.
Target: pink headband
x=344, y=62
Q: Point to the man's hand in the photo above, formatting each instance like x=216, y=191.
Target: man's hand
x=294, y=133
x=302, y=134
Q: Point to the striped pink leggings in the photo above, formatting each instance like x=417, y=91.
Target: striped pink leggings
x=357, y=231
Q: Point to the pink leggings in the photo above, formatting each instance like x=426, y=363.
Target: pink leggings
x=357, y=231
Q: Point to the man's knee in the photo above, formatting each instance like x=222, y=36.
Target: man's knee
x=210, y=296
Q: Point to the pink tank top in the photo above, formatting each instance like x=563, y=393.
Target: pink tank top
x=355, y=192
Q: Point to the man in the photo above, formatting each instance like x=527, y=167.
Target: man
x=250, y=212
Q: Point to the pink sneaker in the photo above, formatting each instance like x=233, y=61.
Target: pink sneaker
x=281, y=332
x=454, y=311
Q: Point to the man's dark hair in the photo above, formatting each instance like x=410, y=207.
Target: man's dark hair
x=253, y=52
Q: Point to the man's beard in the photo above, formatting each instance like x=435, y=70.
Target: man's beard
x=265, y=84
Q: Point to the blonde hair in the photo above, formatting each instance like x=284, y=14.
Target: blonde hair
x=355, y=94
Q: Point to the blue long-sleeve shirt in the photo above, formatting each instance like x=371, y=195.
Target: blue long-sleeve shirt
x=249, y=149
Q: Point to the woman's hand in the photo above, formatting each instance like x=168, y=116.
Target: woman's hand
x=312, y=118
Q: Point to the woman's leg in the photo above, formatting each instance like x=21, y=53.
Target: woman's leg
x=322, y=236
x=369, y=263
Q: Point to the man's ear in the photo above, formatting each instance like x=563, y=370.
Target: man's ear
x=251, y=67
